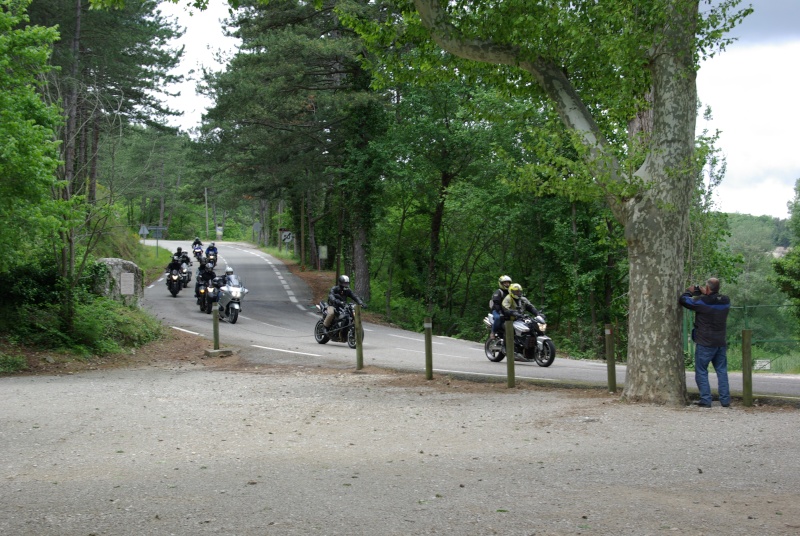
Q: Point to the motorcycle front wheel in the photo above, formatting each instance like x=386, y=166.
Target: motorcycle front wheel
x=351, y=337
x=319, y=333
x=233, y=315
x=174, y=289
x=208, y=305
x=494, y=349
x=546, y=356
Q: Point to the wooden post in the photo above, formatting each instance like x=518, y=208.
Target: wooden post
x=215, y=316
x=359, y=339
x=747, y=367
x=512, y=382
x=428, y=326
x=610, y=362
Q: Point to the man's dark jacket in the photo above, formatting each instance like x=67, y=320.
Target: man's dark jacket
x=711, y=315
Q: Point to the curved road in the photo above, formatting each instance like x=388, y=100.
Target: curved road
x=277, y=323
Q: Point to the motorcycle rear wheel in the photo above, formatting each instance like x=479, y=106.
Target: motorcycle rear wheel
x=546, y=356
x=494, y=349
x=319, y=333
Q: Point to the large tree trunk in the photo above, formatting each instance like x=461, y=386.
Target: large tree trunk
x=360, y=263
x=656, y=224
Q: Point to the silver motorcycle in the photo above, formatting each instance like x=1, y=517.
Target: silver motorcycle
x=530, y=341
x=228, y=292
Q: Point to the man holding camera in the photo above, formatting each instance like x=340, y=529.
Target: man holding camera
x=711, y=315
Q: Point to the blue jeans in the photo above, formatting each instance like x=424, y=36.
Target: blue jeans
x=497, y=326
x=717, y=356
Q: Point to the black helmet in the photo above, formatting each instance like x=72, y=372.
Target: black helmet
x=344, y=281
x=179, y=249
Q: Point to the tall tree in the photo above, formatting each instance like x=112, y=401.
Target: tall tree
x=600, y=65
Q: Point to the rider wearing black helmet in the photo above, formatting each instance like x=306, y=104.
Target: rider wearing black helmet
x=337, y=297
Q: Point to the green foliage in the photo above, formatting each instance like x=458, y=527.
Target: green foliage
x=787, y=269
x=100, y=326
x=10, y=363
x=28, y=152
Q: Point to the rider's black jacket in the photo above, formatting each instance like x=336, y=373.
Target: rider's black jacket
x=711, y=315
x=174, y=265
x=184, y=257
x=338, y=296
x=497, y=299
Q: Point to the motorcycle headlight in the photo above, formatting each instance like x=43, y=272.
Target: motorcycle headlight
x=236, y=292
x=542, y=327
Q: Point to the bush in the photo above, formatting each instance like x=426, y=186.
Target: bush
x=12, y=363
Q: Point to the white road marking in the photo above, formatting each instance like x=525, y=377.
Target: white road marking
x=287, y=351
x=186, y=331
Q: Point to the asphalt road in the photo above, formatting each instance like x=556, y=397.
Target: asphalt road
x=278, y=319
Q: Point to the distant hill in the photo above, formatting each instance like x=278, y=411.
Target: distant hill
x=751, y=234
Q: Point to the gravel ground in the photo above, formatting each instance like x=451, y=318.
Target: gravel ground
x=192, y=447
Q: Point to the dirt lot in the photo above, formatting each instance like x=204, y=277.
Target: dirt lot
x=163, y=441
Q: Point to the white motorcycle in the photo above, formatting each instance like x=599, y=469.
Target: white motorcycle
x=228, y=295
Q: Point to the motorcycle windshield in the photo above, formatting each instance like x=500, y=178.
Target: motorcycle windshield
x=233, y=281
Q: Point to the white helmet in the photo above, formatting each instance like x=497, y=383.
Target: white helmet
x=228, y=270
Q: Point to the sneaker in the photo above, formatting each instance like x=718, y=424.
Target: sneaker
x=702, y=404
x=726, y=405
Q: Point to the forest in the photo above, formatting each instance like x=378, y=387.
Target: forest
x=423, y=174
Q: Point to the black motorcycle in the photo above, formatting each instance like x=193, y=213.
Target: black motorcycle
x=203, y=299
x=174, y=282
x=343, y=328
x=530, y=342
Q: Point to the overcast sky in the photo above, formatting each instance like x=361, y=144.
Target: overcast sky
x=752, y=88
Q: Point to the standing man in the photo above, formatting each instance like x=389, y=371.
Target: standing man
x=711, y=316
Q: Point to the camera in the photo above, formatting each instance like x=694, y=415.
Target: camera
x=696, y=290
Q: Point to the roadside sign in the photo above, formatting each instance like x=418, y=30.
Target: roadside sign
x=286, y=236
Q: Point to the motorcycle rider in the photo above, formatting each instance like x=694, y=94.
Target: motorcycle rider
x=515, y=304
x=337, y=298
x=211, y=250
x=197, y=242
x=228, y=279
x=175, y=264
x=497, y=305
x=205, y=274
x=182, y=255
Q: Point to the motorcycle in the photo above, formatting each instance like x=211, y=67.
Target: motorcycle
x=203, y=299
x=174, y=282
x=186, y=275
x=229, y=296
x=530, y=341
x=211, y=259
x=342, y=330
x=197, y=251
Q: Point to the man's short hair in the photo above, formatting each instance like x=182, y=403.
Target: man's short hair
x=713, y=284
